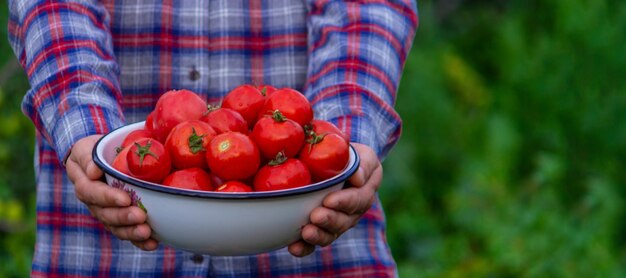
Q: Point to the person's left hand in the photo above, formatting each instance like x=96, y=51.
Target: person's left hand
x=341, y=210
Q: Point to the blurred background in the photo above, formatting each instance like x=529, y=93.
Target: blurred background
x=512, y=160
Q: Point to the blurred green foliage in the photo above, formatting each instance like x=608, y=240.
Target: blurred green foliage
x=513, y=151
x=17, y=180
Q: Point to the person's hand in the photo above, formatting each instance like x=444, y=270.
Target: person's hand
x=341, y=210
x=109, y=205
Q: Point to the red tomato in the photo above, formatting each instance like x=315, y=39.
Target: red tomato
x=325, y=156
x=247, y=100
x=148, y=160
x=322, y=127
x=136, y=135
x=291, y=103
x=225, y=119
x=175, y=107
x=233, y=156
x=120, y=163
x=282, y=173
x=234, y=186
x=149, y=124
x=190, y=178
x=188, y=142
x=274, y=134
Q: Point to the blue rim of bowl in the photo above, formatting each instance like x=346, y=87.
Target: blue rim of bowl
x=342, y=177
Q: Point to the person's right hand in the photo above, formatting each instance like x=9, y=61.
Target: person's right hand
x=109, y=205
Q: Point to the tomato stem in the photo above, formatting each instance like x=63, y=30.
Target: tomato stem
x=264, y=91
x=278, y=116
x=308, y=129
x=209, y=108
x=314, y=138
x=195, y=142
x=142, y=151
x=280, y=159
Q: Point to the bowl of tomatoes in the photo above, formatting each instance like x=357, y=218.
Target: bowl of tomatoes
x=228, y=180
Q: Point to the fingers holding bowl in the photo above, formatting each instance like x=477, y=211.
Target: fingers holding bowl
x=341, y=210
x=301, y=248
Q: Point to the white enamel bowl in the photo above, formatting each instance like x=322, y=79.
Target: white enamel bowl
x=214, y=223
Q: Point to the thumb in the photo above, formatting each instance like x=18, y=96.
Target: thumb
x=81, y=154
x=369, y=163
x=92, y=171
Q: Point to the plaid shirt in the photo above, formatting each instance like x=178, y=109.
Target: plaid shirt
x=96, y=65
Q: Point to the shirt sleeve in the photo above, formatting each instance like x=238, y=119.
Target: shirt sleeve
x=66, y=50
x=357, y=51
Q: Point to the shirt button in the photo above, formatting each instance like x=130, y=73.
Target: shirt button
x=197, y=259
x=194, y=74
